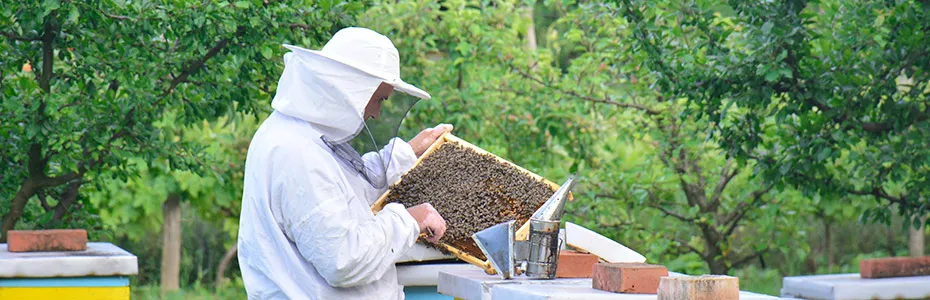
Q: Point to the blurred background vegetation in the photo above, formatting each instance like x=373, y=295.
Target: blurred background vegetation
x=760, y=140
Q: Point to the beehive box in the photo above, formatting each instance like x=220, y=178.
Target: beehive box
x=472, y=189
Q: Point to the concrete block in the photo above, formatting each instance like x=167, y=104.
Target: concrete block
x=574, y=264
x=47, y=240
x=632, y=278
x=706, y=287
x=894, y=267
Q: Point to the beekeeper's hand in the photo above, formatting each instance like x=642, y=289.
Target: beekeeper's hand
x=429, y=220
x=427, y=137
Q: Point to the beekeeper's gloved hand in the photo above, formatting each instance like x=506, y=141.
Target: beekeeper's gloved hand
x=427, y=137
x=429, y=220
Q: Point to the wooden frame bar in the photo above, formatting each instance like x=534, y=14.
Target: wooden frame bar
x=521, y=233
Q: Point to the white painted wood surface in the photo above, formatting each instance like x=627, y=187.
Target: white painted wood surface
x=853, y=287
x=589, y=241
x=476, y=285
x=576, y=292
x=428, y=274
x=100, y=259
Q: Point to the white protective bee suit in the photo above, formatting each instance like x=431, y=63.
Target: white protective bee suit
x=306, y=230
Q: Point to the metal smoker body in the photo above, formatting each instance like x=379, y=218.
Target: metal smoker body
x=538, y=256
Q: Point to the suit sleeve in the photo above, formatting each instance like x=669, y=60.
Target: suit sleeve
x=317, y=216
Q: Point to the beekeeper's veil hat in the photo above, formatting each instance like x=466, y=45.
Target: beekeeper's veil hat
x=331, y=87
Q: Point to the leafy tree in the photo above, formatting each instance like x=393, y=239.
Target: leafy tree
x=132, y=208
x=84, y=82
x=827, y=96
x=585, y=100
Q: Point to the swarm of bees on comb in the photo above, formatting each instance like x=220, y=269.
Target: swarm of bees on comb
x=472, y=191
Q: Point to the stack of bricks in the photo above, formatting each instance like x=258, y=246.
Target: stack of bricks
x=631, y=278
x=574, y=264
x=46, y=240
x=894, y=267
x=640, y=278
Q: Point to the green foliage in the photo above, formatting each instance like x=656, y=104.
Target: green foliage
x=758, y=280
x=586, y=101
x=134, y=206
x=85, y=84
x=204, y=242
x=458, y=51
x=710, y=136
x=830, y=97
x=234, y=289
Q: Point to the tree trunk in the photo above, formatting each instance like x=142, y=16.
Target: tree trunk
x=915, y=241
x=713, y=255
x=67, y=200
x=224, y=263
x=17, y=205
x=828, y=245
x=718, y=266
x=171, y=244
x=890, y=239
x=531, y=29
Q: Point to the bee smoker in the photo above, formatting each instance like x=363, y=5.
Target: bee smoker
x=537, y=256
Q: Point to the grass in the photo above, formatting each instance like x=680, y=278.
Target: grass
x=233, y=289
x=758, y=280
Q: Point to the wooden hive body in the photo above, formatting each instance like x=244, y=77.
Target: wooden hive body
x=521, y=233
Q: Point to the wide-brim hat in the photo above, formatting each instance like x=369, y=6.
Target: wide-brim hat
x=366, y=51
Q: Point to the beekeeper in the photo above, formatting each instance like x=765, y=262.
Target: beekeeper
x=316, y=165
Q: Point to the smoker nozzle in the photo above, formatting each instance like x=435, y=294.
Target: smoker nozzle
x=553, y=209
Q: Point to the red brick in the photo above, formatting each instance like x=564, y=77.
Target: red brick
x=574, y=264
x=633, y=278
x=894, y=267
x=707, y=287
x=47, y=240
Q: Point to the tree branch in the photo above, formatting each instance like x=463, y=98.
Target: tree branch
x=643, y=108
x=16, y=37
x=746, y=259
x=693, y=193
x=112, y=16
x=879, y=192
x=59, y=180
x=655, y=203
x=301, y=26
x=688, y=246
x=696, y=169
x=672, y=213
x=67, y=199
x=48, y=56
x=726, y=175
x=193, y=66
x=611, y=196
x=733, y=220
x=43, y=200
